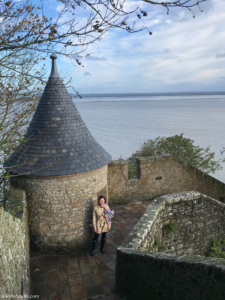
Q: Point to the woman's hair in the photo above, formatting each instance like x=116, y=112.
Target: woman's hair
x=100, y=197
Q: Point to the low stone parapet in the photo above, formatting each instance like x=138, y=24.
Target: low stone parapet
x=14, y=247
x=160, y=175
x=183, y=223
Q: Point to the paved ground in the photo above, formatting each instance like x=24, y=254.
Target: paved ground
x=76, y=277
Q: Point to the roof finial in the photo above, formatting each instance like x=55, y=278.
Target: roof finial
x=54, y=72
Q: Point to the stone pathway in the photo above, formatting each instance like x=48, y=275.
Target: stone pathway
x=80, y=277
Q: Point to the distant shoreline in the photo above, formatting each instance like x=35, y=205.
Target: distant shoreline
x=125, y=97
x=150, y=94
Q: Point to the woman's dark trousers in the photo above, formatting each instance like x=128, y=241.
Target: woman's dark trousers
x=94, y=242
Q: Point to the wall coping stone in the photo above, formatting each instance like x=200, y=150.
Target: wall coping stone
x=217, y=264
x=139, y=158
x=153, y=158
x=119, y=161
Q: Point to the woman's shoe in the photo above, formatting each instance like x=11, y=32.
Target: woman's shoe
x=93, y=247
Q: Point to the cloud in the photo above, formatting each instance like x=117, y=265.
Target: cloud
x=59, y=7
x=179, y=56
x=89, y=57
x=87, y=73
x=220, y=55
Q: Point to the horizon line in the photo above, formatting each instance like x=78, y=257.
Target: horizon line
x=155, y=93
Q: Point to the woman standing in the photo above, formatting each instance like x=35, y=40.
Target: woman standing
x=100, y=224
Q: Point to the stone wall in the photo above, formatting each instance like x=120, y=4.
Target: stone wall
x=199, y=219
x=165, y=277
x=14, y=246
x=190, y=226
x=159, y=176
x=60, y=209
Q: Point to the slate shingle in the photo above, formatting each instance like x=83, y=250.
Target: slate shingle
x=56, y=131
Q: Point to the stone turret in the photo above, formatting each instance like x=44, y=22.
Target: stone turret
x=62, y=168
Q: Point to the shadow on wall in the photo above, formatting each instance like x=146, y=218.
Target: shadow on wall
x=157, y=176
x=141, y=274
x=60, y=209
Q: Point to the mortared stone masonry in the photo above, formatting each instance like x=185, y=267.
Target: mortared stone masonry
x=62, y=168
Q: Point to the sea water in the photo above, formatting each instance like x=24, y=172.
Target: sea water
x=122, y=122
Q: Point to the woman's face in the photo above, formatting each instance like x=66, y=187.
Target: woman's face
x=101, y=201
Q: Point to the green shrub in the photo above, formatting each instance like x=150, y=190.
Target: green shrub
x=132, y=171
x=217, y=248
x=181, y=147
x=171, y=227
x=12, y=213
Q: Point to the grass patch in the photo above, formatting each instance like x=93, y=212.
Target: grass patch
x=201, y=200
x=159, y=245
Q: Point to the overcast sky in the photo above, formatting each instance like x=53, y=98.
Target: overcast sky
x=183, y=54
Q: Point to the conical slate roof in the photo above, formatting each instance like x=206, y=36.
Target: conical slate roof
x=57, y=141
